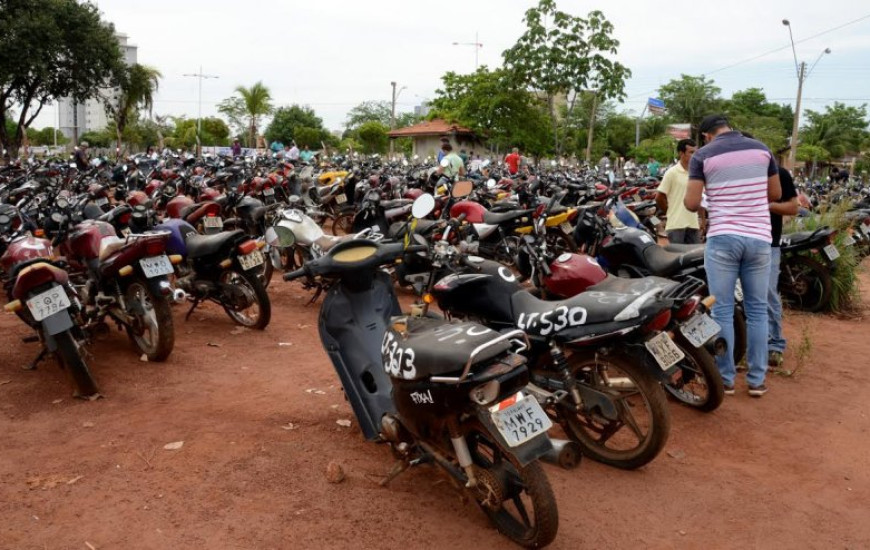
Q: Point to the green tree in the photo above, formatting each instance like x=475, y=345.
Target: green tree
x=839, y=130
x=368, y=111
x=97, y=138
x=662, y=148
x=51, y=49
x=690, y=99
x=561, y=55
x=249, y=105
x=138, y=84
x=289, y=120
x=46, y=137
x=214, y=132
x=770, y=123
x=308, y=137
x=372, y=135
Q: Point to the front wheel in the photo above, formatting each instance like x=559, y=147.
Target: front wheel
x=518, y=500
x=623, y=420
x=245, y=299
x=700, y=385
x=804, y=283
x=68, y=352
x=152, y=331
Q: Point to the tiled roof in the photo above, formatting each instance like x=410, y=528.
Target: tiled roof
x=430, y=127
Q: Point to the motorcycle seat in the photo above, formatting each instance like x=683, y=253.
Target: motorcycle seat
x=504, y=206
x=424, y=227
x=636, y=287
x=496, y=218
x=664, y=263
x=395, y=203
x=258, y=213
x=326, y=242
x=199, y=246
x=440, y=347
x=326, y=190
x=398, y=212
x=683, y=248
x=805, y=239
x=109, y=245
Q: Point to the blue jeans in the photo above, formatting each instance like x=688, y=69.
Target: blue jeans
x=726, y=258
x=775, y=339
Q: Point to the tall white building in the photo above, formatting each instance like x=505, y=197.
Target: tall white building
x=77, y=118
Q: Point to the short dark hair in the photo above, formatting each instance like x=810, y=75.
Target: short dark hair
x=446, y=146
x=684, y=144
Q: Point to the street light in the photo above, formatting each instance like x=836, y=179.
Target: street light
x=802, y=75
x=393, y=111
x=477, y=45
x=200, y=76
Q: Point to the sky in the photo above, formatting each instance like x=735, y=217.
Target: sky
x=332, y=55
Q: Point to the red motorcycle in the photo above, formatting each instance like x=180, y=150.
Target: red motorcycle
x=39, y=292
x=122, y=279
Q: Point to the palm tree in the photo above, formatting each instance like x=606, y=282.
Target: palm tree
x=138, y=86
x=257, y=103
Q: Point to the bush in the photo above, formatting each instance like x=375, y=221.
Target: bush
x=845, y=295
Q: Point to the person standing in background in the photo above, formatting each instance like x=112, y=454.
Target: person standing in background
x=653, y=167
x=513, y=161
x=787, y=205
x=682, y=226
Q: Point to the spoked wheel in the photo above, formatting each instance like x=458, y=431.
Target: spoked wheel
x=625, y=422
x=804, y=283
x=560, y=242
x=700, y=385
x=517, y=499
x=506, y=251
x=250, y=305
x=343, y=223
x=153, y=332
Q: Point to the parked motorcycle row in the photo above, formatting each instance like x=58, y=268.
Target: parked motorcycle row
x=555, y=302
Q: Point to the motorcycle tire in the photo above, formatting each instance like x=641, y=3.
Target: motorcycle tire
x=740, y=336
x=516, y=488
x=701, y=385
x=71, y=359
x=256, y=319
x=343, y=222
x=265, y=275
x=595, y=433
x=157, y=317
x=507, y=250
x=804, y=283
x=560, y=242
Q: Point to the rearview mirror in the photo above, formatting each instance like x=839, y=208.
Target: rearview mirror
x=280, y=237
x=423, y=206
x=462, y=189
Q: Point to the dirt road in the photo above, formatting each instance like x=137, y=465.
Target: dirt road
x=257, y=414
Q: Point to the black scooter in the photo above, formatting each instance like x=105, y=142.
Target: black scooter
x=437, y=391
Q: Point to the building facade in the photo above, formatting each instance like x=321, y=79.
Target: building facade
x=76, y=118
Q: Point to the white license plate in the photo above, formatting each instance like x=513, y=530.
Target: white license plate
x=566, y=228
x=849, y=240
x=340, y=198
x=101, y=201
x=48, y=303
x=156, y=266
x=699, y=329
x=831, y=252
x=521, y=421
x=213, y=222
x=654, y=221
x=252, y=260
x=665, y=352
x=268, y=192
x=126, y=231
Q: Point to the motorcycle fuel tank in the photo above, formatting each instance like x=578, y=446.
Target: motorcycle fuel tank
x=573, y=274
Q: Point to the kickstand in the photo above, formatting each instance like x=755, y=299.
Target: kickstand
x=316, y=295
x=193, y=306
x=399, y=467
x=40, y=357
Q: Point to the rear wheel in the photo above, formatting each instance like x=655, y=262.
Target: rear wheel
x=68, y=352
x=248, y=304
x=625, y=420
x=804, y=283
x=700, y=385
x=517, y=499
x=153, y=332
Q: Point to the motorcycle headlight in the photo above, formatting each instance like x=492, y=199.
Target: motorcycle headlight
x=485, y=394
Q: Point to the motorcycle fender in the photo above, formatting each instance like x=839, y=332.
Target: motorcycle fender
x=484, y=230
x=55, y=324
x=526, y=453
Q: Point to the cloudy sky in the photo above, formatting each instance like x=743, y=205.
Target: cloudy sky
x=332, y=55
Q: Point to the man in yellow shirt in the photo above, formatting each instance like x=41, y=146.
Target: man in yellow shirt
x=682, y=226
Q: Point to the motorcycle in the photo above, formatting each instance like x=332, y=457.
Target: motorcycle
x=451, y=393
x=39, y=292
x=804, y=282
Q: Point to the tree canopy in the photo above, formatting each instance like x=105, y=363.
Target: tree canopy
x=51, y=49
x=690, y=99
x=297, y=123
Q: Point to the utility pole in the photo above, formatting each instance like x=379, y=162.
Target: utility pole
x=797, y=116
x=477, y=45
x=393, y=113
x=591, y=126
x=637, y=127
x=200, y=76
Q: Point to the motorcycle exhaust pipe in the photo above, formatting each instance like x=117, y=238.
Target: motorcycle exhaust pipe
x=565, y=454
x=179, y=296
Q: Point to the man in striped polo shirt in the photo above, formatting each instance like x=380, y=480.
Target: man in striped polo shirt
x=739, y=177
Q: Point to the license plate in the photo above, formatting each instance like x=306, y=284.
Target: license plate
x=48, y=303
x=831, y=252
x=101, y=201
x=699, y=329
x=849, y=240
x=340, y=198
x=156, y=266
x=521, y=421
x=213, y=222
x=126, y=231
x=665, y=352
x=566, y=228
x=654, y=221
x=269, y=192
x=252, y=260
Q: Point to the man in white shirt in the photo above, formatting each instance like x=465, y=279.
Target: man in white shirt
x=682, y=225
x=293, y=154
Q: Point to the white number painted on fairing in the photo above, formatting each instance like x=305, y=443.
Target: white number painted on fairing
x=552, y=321
x=398, y=361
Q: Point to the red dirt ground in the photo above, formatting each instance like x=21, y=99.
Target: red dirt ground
x=258, y=422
